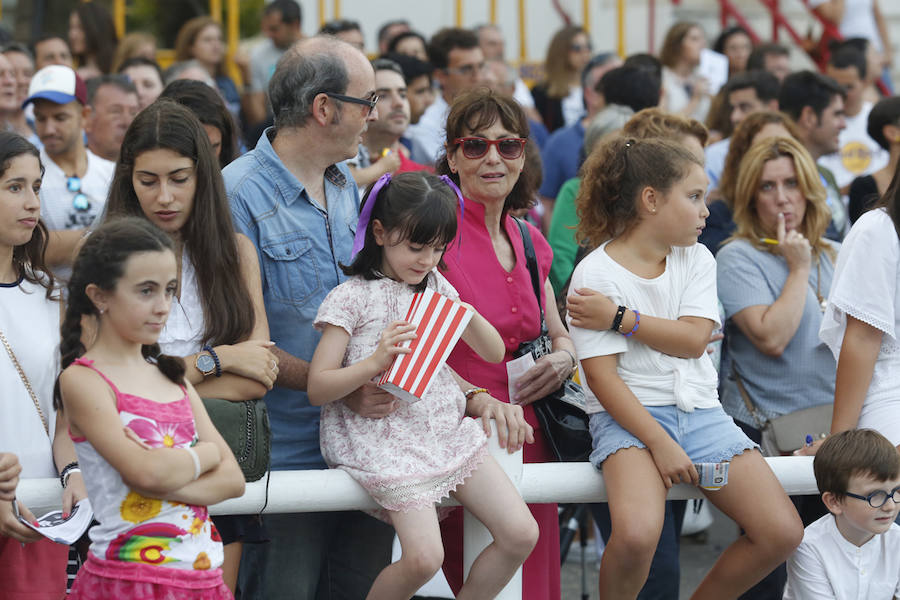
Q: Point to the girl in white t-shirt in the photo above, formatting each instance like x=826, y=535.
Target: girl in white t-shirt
x=650, y=384
x=31, y=566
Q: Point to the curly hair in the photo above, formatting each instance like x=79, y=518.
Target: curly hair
x=613, y=177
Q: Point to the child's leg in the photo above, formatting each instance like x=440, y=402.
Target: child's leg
x=493, y=499
x=422, y=555
x=772, y=529
x=637, y=498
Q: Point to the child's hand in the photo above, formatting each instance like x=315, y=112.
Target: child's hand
x=396, y=333
x=590, y=309
x=673, y=463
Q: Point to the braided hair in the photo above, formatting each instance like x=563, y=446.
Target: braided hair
x=101, y=261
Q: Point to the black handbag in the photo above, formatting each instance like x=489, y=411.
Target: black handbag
x=245, y=428
x=564, y=425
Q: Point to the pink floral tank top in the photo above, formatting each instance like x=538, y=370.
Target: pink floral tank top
x=134, y=528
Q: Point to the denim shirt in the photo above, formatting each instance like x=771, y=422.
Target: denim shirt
x=299, y=246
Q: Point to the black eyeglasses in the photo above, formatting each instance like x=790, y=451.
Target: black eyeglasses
x=509, y=148
x=371, y=101
x=80, y=201
x=877, y=498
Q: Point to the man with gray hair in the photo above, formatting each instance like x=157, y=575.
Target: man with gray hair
x=112, y=106
x=294, y=198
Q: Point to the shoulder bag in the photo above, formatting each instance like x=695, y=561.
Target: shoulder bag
x=245, y=428
x=782, y=435
x=565, y=426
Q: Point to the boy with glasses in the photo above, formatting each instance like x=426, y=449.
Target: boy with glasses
x=854, y=552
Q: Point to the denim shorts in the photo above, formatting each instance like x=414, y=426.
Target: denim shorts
x=706, y=434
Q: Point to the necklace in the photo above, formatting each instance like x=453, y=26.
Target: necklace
x=823, y=302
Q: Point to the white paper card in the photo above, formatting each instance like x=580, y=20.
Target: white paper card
x=514, y=370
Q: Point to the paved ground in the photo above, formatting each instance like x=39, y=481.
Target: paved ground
x=698, y=553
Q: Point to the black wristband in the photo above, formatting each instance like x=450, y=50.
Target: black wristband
x=215, y=358
x=617, y=321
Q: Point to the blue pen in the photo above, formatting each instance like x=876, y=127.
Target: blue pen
x=809, y=440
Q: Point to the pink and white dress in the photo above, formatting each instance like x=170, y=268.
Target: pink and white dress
x=146, y=547
x=422, y=451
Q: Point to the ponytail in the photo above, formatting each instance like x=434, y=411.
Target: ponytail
x=615, y=174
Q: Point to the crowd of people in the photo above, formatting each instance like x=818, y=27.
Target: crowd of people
x=168, y=236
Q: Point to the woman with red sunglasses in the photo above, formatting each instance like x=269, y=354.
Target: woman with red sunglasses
x=485, y=156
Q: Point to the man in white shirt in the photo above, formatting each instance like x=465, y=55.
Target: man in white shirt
x=76, y=181
x=852, y=553
x=458, y=66
x=858, y=154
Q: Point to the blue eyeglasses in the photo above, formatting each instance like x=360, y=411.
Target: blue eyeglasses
x=877, y=498
x=80, y=201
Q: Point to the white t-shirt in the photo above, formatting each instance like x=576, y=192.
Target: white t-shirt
x=428, y=135
x=866, y=286
x=263, y=59
x=677, y=96
x=30, y=323
x=858, y=154
x=573, y=106
x=687, y=288
x=858, y=20
x=57, y=209
x=826, y=565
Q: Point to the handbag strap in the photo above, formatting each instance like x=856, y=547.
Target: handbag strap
x=531, y=261
x=751, y=407
x=15, y=361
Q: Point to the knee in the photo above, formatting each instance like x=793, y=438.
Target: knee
x=421, y=564
x=519, y=538
x=637, y=543
x=782, y=536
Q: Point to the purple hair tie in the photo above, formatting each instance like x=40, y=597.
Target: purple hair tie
x=365, y=214
x=455, y=189
x=446, y=179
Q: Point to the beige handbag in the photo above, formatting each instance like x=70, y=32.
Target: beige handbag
x=782, y=435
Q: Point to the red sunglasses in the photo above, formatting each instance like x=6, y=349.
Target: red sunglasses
x=475, y=147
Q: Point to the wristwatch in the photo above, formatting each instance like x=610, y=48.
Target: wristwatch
x=205, y=364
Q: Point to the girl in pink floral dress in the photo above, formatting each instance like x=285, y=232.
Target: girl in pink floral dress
x=426, y=450
x=151, y=458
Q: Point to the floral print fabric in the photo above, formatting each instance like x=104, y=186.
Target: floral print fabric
x=422, y=451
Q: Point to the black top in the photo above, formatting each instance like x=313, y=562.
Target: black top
x=549, y=108
x=863, y=196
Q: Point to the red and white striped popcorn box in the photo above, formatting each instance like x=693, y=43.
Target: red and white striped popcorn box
x=439, y=322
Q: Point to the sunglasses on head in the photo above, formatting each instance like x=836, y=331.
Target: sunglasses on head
x=80, y=201
x=476, y=147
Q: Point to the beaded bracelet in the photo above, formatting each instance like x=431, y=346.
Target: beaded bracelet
x=637, y=323
x=215, y=358
x=473, y=391
x=67, y=470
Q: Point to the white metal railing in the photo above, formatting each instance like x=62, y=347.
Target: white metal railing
x=331, y=490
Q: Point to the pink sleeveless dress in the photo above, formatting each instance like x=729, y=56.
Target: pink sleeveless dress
x=146, y=548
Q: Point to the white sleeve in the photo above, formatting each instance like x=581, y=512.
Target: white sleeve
x=522, y=94
x=865, y=280
x=590, y=342
x=807, y=576
x=700, y=298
